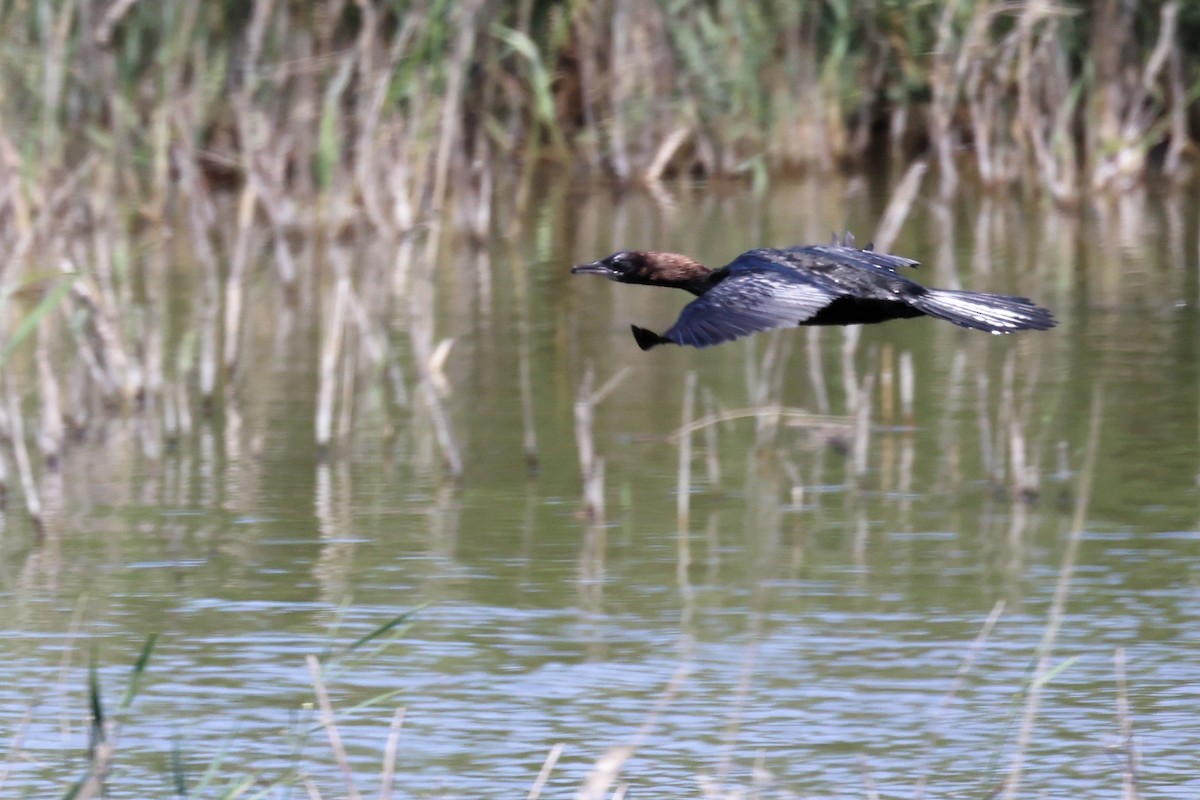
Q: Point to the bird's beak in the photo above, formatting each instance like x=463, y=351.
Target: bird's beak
x=594, y=268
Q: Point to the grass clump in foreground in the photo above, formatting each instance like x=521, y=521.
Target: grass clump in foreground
x=101, y=771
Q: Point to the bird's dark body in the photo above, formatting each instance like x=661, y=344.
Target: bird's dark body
x=862, y=311
x=835, y=284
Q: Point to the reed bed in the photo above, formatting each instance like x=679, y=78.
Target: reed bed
x=149, y=146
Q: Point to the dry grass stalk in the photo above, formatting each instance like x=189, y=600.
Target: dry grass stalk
x=333, y=332
x=235, y=282
x=851, y=335
x=543, y=775
x=1054, y=617
x=17, y=743
x=683, y=487
x=50, y=424
x=795, y=418
x=907, y=388
x=1130, y=768
x=816, y=371
x=330, y=725
x=387, y=775
x=764, y=386
x=860, y=449
x=712, y=457
x=899, y=207
x=16, y=430
x=529, y=439
x=608, y=767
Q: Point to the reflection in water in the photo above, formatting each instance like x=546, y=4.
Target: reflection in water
x=829, y=581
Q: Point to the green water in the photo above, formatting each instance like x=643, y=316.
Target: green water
x=813, y=620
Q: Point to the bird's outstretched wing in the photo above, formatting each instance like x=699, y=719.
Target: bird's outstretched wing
x=746, y=303
x=852, y=257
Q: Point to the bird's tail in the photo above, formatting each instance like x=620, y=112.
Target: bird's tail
x=646, y=339
x=995, y=313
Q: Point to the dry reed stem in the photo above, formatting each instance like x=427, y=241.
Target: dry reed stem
x=816, y=374
x=1061, y=590
x=1130, y=769
x=592, y=468
x=907, y=388
x=740, y=693
x=529, y=439
x=236, y=280
x=712, y=457
x=851, y=335
x=17, y=741
x=391, y=748
x=797, y=417
x=50, y=426
x=16, y=424
x=328, y=722
x=887, y=387
x=333, y=334
x=606, y=769
x=99, y=764
x=543, y=775
x=864, y=768
x=683, y=486
x=862, y=428
x=899, y=207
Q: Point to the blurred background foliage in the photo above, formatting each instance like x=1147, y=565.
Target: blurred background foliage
x=1066, y=96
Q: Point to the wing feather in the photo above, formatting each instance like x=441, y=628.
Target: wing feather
x=747, y=303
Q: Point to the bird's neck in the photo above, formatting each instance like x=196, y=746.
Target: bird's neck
x=678, y=271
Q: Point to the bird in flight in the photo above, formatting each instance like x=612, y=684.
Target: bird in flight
x=834, y=284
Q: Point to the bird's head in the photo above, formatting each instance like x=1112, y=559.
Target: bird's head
x=645, y=266
x=625, y=266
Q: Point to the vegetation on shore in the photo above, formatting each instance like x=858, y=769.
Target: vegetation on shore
x=1067, y=96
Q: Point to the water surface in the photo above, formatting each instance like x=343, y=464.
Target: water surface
x=800, y=633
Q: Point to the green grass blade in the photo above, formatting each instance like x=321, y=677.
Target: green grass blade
x=139, y=668
x=97, y=706
x=178, y=770
x=30, y=322
x=382, y=629
x=210, y=771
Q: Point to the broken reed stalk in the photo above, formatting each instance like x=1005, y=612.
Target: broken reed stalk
x=591, y=468
x=1062, y=588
